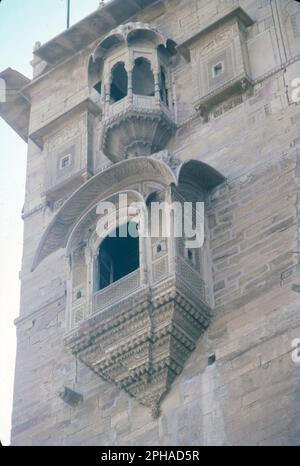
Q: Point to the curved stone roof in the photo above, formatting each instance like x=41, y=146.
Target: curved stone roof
x=127, y=33
x=90, y=28
x=117, y=177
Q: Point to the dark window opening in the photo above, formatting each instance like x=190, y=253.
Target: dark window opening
x=218, y=69
x=98, y=87
x=190, y=254
x=211, y=359
x=163, y=90
x=65, y=162
x=142, y=78
x=119, y=83
x=118, y=256
x=78, y=295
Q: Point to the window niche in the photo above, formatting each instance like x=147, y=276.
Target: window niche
x=219, y=60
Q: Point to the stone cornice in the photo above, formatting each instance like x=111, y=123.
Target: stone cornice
x=89, y=29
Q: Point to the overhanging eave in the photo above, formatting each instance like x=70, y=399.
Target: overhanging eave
x=14, y=108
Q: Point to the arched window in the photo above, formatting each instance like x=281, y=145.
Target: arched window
x=119, y=83
x=164, y=94
x=142, y=78
x=118, y=254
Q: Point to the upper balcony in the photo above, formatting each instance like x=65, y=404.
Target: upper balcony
x=131, y=73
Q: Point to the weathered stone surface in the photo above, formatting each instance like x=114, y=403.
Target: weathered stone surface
x=250, y=394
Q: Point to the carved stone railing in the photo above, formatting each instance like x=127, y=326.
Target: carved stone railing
x=116, y=291
x=115, y=108
x=136, y=125
x=143, y=101
x=137, y=102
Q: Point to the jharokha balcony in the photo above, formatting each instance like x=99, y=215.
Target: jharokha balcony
x=130, y=71
x=136, y=125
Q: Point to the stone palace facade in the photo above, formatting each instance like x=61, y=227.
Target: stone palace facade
x=144, y=339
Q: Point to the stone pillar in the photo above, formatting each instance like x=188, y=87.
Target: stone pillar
x=106, y=88
x=107, y=95
x=90, y=281
x=130, y=91
x=145, y=246
x=69, y=294
x=156, y=87
x=171, y=241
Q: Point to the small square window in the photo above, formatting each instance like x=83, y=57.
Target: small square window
x=211, y=359
x=65, y=162
x=159, y=248
x=190, y=254
x=217, y=69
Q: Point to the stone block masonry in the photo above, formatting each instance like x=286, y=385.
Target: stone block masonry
x=249, y=392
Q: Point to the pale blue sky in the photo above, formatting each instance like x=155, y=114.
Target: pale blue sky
x=22, y=23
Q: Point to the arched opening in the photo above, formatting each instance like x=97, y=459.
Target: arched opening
x=119, y=83
x=118, y=254
x=163, y=89
x=142, y=78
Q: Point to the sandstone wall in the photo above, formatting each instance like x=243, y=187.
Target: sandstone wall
x=250, y=394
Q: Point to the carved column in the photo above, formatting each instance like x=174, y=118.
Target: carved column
x=145, y=246
x=171, y=240
x=107, y=82
x=68, y=269
x=90, y=280
x=130, y=91
x=156, y=86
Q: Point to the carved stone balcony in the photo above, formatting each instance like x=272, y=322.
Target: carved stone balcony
x=136, y=126
x=220, y=63
x=138, y=330
x=140, y=336
x=132, y=69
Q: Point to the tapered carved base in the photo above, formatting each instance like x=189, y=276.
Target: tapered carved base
x=136, y=129
x=142, y=344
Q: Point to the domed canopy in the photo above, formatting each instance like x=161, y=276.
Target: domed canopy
x=127, y=34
